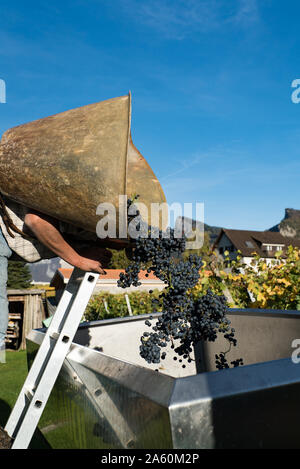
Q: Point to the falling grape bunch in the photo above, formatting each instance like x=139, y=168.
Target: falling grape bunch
x=182, y=318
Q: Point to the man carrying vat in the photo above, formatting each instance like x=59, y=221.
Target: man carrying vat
x=30, y=236
x=54, y=173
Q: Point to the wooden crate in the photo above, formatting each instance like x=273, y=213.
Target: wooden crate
x=29, y=317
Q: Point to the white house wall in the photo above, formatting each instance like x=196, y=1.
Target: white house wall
x=248, y=260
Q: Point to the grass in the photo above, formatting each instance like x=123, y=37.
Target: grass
x=12, y=376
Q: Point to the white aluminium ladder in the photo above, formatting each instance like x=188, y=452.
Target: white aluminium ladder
x=47, y=364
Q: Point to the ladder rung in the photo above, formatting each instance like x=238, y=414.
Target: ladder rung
x=54, y=335
x=29, y=393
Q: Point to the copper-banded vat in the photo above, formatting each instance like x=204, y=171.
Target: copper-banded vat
x=67, y=164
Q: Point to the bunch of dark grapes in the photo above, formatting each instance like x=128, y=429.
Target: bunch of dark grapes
x=222, y=363
x=182, y=318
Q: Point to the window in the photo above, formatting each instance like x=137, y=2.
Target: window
x=249, y=244
x=272, y=247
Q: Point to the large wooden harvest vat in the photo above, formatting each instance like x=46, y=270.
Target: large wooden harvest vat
x=67, y=164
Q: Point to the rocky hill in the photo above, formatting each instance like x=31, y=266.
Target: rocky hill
x=290, y=224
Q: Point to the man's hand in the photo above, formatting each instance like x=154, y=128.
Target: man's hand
x=94, y=260
x=89, y=265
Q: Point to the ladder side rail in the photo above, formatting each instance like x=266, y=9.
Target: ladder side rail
x=66, y=300
x=64, y=321
x=53, y=367
x=43, y=353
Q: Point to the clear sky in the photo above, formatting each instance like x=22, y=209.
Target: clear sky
x=210, y=81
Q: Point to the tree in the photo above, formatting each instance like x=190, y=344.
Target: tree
x=19, y=275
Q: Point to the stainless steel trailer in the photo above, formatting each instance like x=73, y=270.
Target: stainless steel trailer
x=107, y=396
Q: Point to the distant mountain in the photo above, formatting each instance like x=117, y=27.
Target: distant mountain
x=290, y=224
x=213, y=231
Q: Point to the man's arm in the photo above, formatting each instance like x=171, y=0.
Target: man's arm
x=46, y=231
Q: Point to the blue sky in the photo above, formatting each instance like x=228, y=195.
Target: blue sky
x=210, y=81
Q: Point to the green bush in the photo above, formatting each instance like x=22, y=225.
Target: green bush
x=140, y=303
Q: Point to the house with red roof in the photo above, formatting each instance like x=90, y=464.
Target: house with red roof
x=107, y=283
